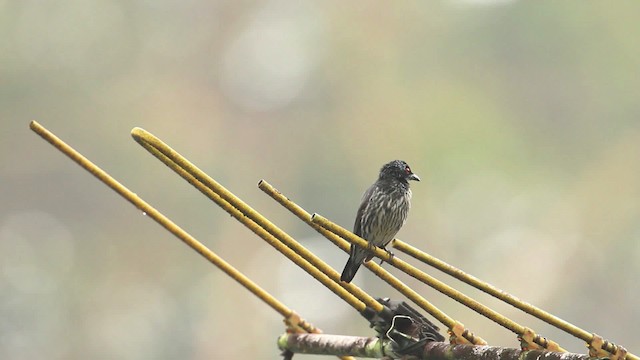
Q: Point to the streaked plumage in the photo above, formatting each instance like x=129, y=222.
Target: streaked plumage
x=383, y=211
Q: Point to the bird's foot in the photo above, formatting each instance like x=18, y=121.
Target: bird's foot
x=391, y=255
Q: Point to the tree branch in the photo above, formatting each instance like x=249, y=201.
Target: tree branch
x=373, y=347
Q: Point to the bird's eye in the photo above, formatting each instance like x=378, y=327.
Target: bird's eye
x=407, y=170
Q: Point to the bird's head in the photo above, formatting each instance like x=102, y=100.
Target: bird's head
x=398, y=170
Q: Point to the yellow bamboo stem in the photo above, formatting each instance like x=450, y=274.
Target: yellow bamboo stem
x=375, y=268
x=502, y=295
x=256, y=222
x=166, y=223
x=290, y=316
x=434, y=283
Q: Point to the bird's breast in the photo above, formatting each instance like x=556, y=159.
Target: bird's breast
x=386, y=213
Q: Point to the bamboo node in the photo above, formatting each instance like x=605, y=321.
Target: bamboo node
x=459, y=335
x=528, y=340
x=599, y=347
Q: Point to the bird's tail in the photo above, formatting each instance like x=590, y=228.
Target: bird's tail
x=356, y=258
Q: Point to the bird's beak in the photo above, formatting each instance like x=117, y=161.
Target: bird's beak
x=414, y=177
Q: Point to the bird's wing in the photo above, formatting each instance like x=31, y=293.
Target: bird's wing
x=357, y=227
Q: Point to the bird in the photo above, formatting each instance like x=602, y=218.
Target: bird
x=382, y=212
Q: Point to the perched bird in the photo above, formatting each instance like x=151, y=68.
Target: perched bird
x=383, y=211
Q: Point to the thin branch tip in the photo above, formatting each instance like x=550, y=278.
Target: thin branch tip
x=137, y=132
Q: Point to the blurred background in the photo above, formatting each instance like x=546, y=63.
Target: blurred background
x=521, y=119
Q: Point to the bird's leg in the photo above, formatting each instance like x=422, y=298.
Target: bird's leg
x=391, y=255
x=370, y=248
